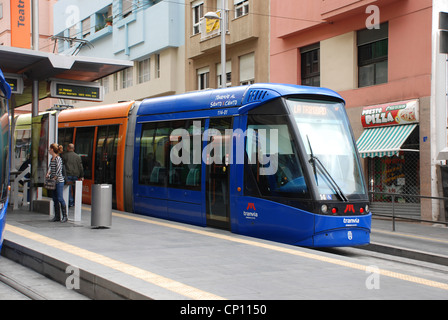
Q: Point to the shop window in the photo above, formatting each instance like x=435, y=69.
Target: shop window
x=373, y=56
x=399, y=174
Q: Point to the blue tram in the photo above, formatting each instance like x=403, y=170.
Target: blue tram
x=272, y=161
x=5, y=94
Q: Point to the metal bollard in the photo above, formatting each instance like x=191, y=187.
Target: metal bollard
x=65, y=195
x=78, y=201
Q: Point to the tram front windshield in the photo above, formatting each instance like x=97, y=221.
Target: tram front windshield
x=325, y=133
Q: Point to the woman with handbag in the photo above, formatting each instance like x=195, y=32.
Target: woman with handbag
x=55, y=172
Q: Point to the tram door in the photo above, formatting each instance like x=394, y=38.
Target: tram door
x=106, y=157
x=217, y=173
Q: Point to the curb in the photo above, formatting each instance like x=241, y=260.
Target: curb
x=90, y=285
x=407, y=253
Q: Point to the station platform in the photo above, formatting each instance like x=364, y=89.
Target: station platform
x=141, y=257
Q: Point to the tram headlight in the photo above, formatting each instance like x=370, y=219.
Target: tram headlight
x=324, y=208
x=367, y=208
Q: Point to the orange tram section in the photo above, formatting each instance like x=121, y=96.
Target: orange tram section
x=99, y=135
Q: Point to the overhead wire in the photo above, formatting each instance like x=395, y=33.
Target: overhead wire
x=140, y=5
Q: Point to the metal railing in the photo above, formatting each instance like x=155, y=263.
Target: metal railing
x=393, y=203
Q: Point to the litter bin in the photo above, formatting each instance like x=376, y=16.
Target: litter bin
x=101, y=215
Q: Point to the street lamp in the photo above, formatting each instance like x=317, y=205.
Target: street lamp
x=223, y=18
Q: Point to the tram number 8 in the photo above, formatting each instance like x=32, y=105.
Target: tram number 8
x=245, y=309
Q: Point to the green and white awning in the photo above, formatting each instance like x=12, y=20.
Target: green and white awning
x=383, y=141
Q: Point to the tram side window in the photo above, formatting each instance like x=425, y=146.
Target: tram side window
x=274, y=168
x=65, y=137
x=154, y=144
x=106, y=154
x=185, y=168
x=84, y=147
x=147, y=160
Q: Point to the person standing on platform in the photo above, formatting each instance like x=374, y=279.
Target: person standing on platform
x=55, y=172
x=61, y=151
x=73, y=169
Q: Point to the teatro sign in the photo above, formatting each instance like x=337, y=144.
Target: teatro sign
x=397, y=113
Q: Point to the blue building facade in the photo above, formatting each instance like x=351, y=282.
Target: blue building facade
x=135, y=28
x=149, y=32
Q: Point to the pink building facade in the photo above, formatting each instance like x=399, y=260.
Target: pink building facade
x=45, y=32
x=45, y=24
x=394, y=65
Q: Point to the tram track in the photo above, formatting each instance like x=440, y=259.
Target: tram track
x=398, y=263
x=22, y=289
x=19, y=281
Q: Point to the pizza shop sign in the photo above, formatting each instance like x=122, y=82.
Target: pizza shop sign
x=404, y=112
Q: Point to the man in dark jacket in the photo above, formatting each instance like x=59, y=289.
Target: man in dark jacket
x=73, y=169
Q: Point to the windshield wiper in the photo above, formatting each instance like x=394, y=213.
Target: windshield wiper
x=312, y=159
x=331, y=182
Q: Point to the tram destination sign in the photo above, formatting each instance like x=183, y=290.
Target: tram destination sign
x=15, y=81
x=76, y=90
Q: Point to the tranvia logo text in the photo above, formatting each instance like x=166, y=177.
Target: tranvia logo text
x=250, y=214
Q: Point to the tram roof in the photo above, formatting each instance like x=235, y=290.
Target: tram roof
x=102, y=112
x=41, y=66
x=229, y=97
